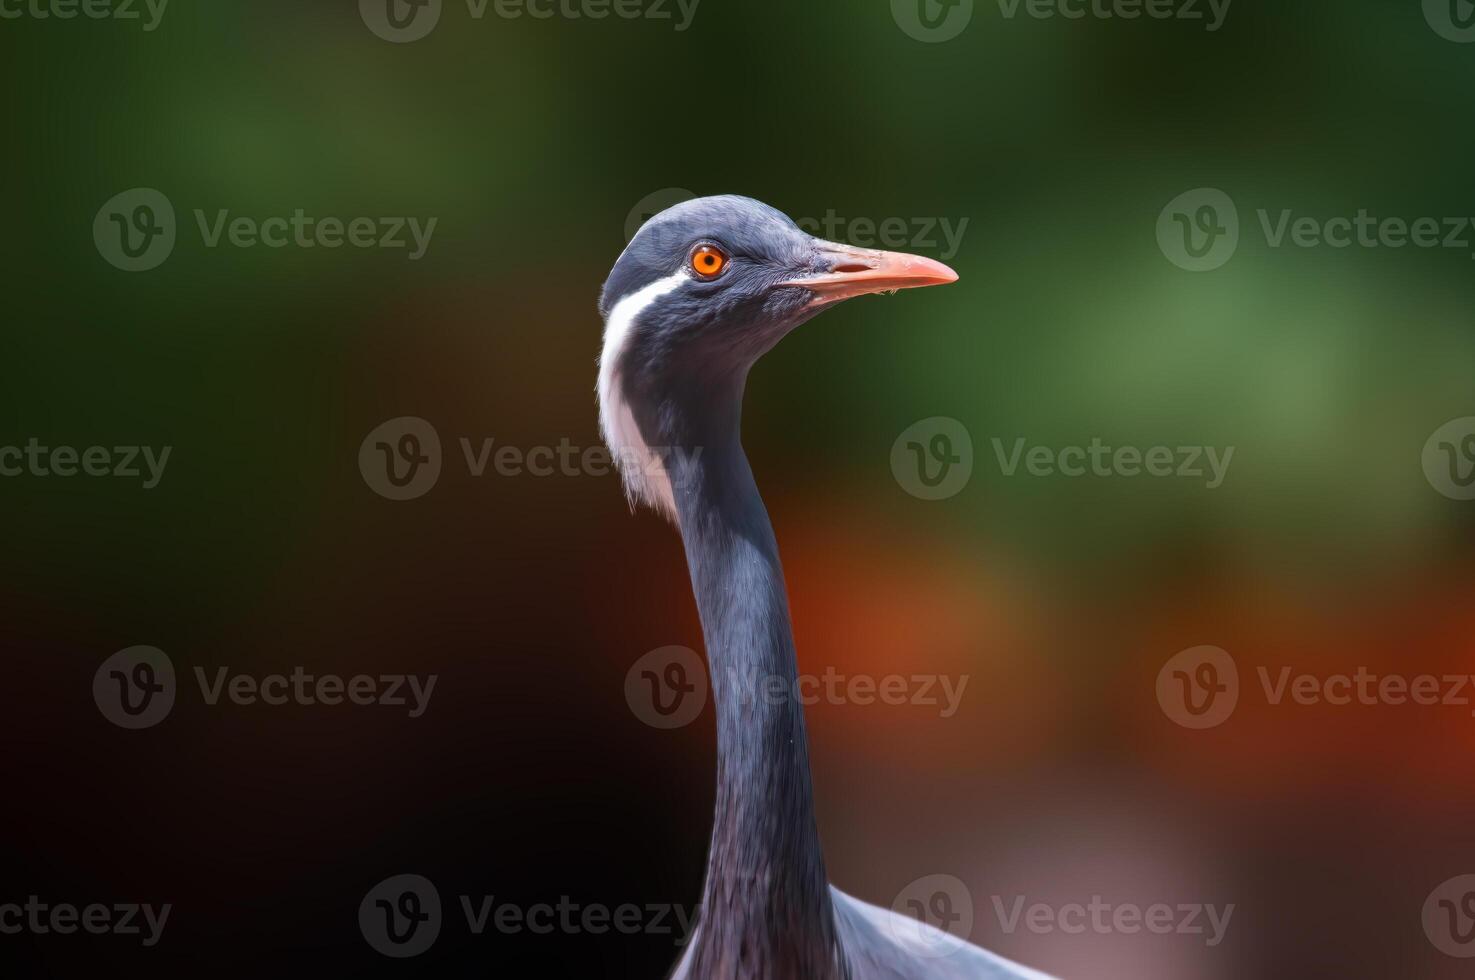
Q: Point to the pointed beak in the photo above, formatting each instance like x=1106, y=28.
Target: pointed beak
x=858, y=271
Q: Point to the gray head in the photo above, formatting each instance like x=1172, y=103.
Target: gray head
x=702, y=291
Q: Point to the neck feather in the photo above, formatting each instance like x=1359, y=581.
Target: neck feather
x=766, y=899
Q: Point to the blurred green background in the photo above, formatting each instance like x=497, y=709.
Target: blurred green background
x=530, y=142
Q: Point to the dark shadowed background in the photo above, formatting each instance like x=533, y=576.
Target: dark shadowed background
x=1336, y=540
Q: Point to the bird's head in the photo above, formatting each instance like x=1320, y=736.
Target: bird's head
x=702, y=291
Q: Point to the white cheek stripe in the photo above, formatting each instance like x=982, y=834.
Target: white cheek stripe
x=645, y=477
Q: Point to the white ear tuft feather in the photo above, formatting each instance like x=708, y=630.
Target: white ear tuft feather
x=643, y=470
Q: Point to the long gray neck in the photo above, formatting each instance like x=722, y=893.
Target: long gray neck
x=766, y=902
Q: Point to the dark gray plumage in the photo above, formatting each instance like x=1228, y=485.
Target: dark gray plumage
x=678, y=347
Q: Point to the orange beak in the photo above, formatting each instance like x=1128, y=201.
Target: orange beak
x=858, y=271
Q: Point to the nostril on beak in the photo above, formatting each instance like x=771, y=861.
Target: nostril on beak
x=853, y=267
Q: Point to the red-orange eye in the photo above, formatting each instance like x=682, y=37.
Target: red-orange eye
x=708, y=261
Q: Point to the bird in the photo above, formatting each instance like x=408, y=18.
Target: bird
x=700, y=293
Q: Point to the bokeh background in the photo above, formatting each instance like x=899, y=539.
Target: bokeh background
x=530, y=778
